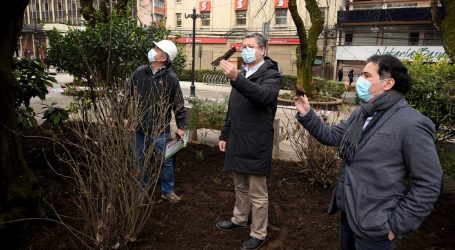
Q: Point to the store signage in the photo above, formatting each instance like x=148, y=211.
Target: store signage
x=361, y=53
x=284, y=41
x=281, y=4
x=237, y=46
x=205, y=6
x=240, y=4
x=206, y=40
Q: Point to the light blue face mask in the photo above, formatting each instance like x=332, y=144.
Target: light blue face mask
x=248, y=55
x=362, y=86
x=151, y=55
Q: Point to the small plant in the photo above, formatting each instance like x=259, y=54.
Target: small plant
x=199, y=155
x=55, y=116
x=318, y=162
x=207, y=114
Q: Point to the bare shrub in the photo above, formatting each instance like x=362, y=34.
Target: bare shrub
x=318, y=162
x=112, y=203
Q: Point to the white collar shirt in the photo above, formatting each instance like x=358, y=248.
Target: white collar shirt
x=250, y=71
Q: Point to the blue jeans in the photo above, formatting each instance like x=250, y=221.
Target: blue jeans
x=349, y=241
x=167, y=168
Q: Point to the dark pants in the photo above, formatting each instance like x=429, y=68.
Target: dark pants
x=348, y=241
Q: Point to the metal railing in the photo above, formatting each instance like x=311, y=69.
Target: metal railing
x=213, y=79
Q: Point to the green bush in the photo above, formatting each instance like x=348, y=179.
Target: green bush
x=32, y=81
x=329, y=87
x=107, y=53
x=447, y=159
x=433, y=92
x=289, y=82
x=207, y=114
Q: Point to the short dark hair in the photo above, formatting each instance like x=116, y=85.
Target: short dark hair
x=391, y=67
x=260, y=39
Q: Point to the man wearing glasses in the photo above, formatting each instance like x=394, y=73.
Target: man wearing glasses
x=247, y=137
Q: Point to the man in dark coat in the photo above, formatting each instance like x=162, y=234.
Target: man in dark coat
x=247, y=137
x=159, y=94
x=391, y=175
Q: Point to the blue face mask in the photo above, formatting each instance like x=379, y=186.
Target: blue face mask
x=248, y=55
x=362, y=86
x=151, y=55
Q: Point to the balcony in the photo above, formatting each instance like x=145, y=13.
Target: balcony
x=387, y=16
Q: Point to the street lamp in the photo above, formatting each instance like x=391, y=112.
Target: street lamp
x=193, y=16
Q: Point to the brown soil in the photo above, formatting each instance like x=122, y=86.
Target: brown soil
x=297, y=211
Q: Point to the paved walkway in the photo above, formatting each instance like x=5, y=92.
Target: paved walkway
x=284, y=114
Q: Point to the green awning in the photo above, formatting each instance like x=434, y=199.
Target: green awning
x=317, y=61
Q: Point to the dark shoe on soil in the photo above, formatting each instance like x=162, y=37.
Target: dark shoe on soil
x=252, y=243
x=227, y=225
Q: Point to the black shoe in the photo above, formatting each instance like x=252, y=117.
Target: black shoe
x=252, y=243
x=227, y=224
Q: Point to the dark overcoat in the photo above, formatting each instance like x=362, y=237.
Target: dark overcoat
x=248, y=129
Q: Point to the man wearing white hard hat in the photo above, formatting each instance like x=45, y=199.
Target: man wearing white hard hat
x=158, y=90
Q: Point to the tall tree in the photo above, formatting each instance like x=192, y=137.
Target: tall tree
x=445, y=24
x=18, y=191
x=94, y=16
x=308, y=47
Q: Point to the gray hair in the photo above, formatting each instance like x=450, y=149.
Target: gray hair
x=260, y=39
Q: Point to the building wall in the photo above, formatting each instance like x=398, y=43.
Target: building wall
x=223, y=24
x=358, y=41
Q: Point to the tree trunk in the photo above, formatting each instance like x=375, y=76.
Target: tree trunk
x=308, y=47
x=18, y=187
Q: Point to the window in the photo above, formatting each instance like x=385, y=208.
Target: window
x=158, y=17
x=206, y=19
x=178, y=17
x=158, y=4
x=240, y=18
x=59, y=11
x=281, y=16
x=401, y=5
x=414, y=38
x=46, y=11
x=348, y=39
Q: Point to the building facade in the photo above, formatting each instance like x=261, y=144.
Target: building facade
x=44, y=15
x=223, y=24
x=397, y=27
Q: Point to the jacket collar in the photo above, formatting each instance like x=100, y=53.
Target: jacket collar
x=268, y=63
x=384, y=117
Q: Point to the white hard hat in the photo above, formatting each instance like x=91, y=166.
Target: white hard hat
x=168, y=47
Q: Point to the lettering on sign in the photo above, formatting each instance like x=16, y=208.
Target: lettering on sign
x=409, y=53
x=239, y=4
x=204, y=6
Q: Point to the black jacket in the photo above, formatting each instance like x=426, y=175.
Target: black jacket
x=248, y=130
x=157, y=93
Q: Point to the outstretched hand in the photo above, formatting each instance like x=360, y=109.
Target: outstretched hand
x=229, y=70
x=302, y=104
